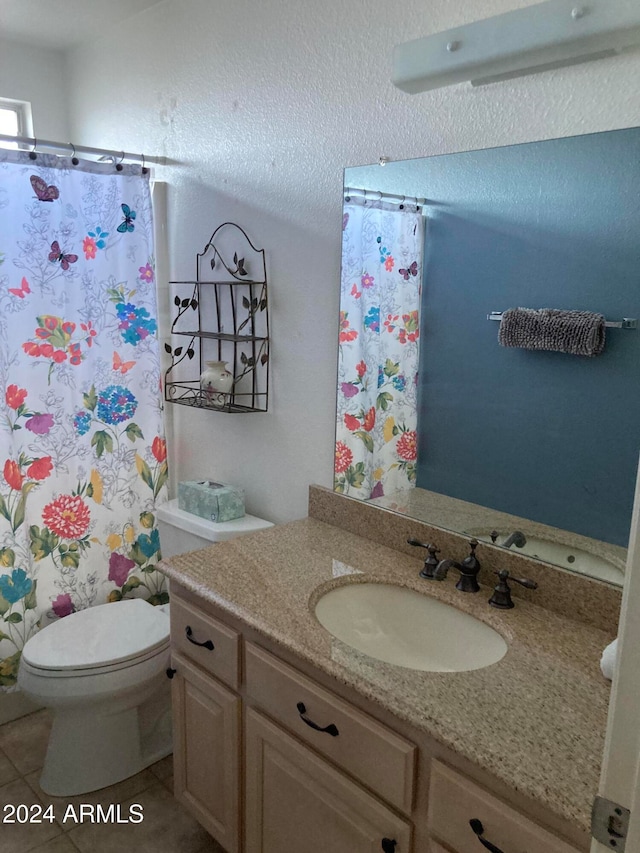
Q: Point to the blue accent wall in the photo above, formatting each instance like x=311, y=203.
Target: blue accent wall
x=548, y=436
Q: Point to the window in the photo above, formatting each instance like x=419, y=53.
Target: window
x=15, y=119
x=9, y=121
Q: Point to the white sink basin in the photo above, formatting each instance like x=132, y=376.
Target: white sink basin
x=406, y=628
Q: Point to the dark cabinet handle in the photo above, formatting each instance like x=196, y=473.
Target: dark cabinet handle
x=330, y=729
x=478, y=828
x=207, y=643
x=171, y=672
x=388, y=845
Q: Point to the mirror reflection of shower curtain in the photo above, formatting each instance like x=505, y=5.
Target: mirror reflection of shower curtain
x=382, y=256
x=82, y=446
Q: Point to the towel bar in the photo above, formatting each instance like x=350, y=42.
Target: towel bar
x=625, y=323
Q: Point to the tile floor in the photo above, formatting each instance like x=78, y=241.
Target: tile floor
x=166, y=827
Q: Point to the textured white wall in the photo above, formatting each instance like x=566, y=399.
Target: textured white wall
x=260, y=106
x=36, y=74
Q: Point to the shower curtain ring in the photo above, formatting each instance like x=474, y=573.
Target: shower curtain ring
x=119, y=164
x=401, y=205
x=32, y=153
x=74, y=159
x=144, y=168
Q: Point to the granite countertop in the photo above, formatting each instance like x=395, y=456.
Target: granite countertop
x=535, y=720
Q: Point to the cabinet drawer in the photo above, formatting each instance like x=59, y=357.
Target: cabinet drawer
x=455, y=800
x=367, y=750
x=205, y=641
x=296, y=802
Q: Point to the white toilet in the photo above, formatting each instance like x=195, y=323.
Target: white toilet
x=102, y=671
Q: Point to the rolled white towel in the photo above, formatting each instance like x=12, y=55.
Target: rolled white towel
x=608, y=659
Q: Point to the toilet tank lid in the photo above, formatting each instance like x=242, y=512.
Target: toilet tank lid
x=213, y=531
x=99, y=636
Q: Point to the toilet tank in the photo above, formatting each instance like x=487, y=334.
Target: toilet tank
x=182, y=531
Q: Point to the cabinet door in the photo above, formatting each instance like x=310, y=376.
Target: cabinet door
x=296, y=801
x=206, y=752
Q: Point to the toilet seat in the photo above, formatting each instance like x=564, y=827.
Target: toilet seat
x=101, y=639
x=87, y=672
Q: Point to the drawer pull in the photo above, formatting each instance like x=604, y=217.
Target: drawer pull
x=331, y=729
x=478, y=829
x=171, y=672
x=388, y=845
x=207, y=643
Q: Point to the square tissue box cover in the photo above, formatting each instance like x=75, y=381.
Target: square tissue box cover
x=210, y=500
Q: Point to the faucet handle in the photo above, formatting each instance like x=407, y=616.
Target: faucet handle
x=472, y=563
x=431, y=561
x=469, y=570
x=501, y=597
x=526, y=582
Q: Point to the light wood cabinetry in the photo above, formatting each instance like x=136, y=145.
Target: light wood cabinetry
x=318, y=773
x=206, y=750
x=205, y=641
x=436, y=848
x=353, y=741
x=296, y=800
x=455, y=801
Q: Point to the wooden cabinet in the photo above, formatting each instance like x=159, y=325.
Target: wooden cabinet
x=436, y=848
x=297, y=801
x=205, y=641
x=206, y=751
x=455, y=801
x=309, y=772
x=353, y=741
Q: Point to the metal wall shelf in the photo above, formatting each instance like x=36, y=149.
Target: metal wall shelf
x=232, y=326
x=232, y=281
x=220, y=336
x=190, y=394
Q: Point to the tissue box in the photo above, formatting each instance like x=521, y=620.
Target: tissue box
x=213, y=501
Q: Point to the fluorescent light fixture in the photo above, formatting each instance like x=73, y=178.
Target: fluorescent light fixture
x=548, y=35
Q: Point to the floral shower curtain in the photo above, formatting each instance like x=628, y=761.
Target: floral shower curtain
x=82, y=448
x=382, y=250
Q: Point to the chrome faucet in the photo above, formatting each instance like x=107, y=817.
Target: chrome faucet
x=516, y=538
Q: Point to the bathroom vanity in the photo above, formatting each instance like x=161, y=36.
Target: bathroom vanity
x=286, y=738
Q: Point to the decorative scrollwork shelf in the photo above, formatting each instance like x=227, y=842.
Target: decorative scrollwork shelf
x=224, y=315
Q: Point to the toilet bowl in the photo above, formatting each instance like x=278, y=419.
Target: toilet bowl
x=102, y=672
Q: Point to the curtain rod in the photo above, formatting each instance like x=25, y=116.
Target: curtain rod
x=79, y=149
x=377, y=195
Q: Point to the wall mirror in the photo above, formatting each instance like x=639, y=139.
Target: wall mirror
x=492, y=441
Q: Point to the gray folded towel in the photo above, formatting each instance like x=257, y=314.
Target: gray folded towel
x=574, y=332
